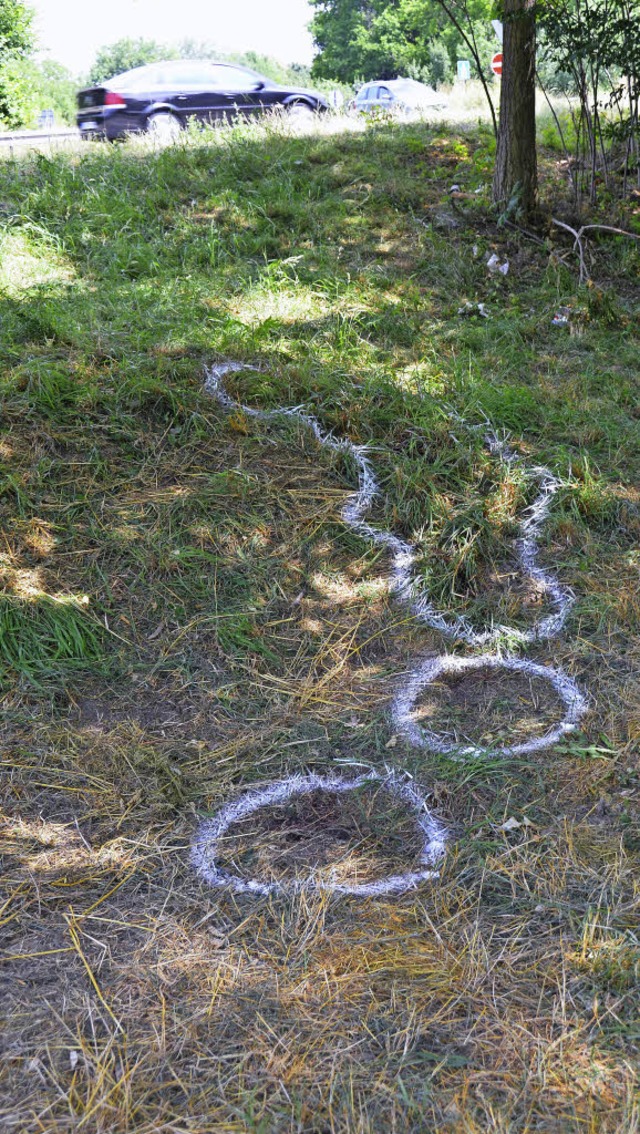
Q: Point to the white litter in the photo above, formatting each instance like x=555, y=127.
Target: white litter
x=562, y=317
x=474, y=309
x=495, y=265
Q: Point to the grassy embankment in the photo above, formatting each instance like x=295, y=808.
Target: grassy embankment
x=183, y=613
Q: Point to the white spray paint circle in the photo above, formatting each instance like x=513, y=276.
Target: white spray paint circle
x=403, y=710
x=206, y=845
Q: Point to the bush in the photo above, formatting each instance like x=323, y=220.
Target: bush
x=17, y=97
x=54, y=88
x=439, y=68
x=16, y=41
x=552, y=77
x=596, y=45
x=28, y=88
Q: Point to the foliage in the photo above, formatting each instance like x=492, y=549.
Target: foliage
x=16, y=28
x=17, y=103
x=125, y=54
x=41, y=86
x=438, y=68
x=56, y=88
x=473, y=31
x=377, y=39
x=16, y=41
x=594, y=47
x=550, y=75
x=31, y=86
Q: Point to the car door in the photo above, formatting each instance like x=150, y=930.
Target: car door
x=218, y=90
x=196, y=89
x=244, y=91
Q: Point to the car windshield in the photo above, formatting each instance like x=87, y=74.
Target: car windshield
x=411, y=91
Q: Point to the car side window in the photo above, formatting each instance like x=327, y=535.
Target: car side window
x=385, y=94
x=234, y=78
x=141, y=79
x=183, y=73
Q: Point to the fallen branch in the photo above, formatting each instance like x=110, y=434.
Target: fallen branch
x=578, y=234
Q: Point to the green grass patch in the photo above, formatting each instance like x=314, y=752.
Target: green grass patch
x=44, y=637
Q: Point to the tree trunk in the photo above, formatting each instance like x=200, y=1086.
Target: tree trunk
x=516, y=171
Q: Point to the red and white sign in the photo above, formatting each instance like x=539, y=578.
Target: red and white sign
x=496, y=63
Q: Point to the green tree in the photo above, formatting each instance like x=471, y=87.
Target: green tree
x=16, y=42
x=33, y=87
x=54, y=88
x=16, y=28
x=339, y=28
x=438, y=68
x=470, y=18
x=125, y=54
x=370, y=39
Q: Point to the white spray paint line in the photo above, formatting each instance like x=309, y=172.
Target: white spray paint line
x=403, y=711
x=403, y=553
x=206, y=845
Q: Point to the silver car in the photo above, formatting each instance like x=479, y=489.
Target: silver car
x=400, y=96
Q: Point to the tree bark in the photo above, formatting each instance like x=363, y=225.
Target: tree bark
x=516, y=172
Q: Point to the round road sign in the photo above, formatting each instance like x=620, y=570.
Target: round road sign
x=496, y=63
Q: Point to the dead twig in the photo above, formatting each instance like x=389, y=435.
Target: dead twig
x=578, y=234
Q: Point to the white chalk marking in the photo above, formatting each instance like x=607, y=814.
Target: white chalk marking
x=403, y=583
x=206, y=845
x=403, y=553
x=403, y=710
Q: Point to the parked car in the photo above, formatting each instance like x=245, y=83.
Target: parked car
x=400, y=96
x=160, y=98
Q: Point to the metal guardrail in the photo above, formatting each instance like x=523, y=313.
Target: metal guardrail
x=32, y=137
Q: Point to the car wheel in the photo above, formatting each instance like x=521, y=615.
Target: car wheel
x=163, y=127
x=300, y=112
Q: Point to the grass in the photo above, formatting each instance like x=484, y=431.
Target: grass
x=45, y=637
x=183, y=614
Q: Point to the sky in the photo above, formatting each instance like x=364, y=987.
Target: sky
x=72, y=31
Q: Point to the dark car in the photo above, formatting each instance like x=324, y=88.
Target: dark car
x=160, y=98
